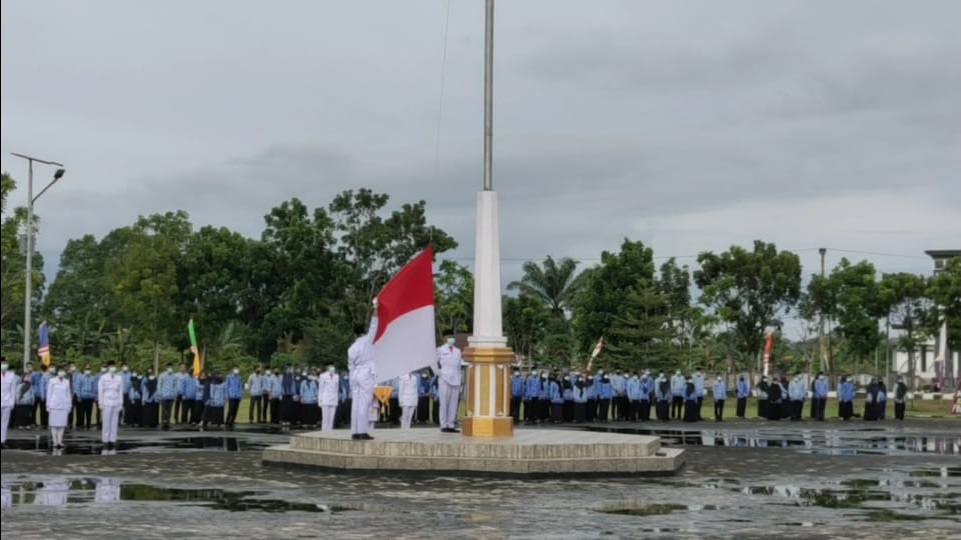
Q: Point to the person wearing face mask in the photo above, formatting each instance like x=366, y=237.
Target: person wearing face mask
x=532, y=394
x=235, y=392
x=678, y=385
x=579, y=392
x=133, y=414
x=647, y=388
x=590, y=408
x=125, y=377
x=110, y=401
x=87, y=391
x=275, y=393
x=309, y=410
x=151, y=403
x=556, y=399
x=447, y=367
x=605, y=392
x=188, y=402
x=720, y=395
x=544, y=400
x=59, y=402
x=900, y=398
x=743, y=391
x=662, y=391
x=255, y=384
x=167, y=392
x=407, y=394
x=328, y=397
x=40, y=394
x=699, y=390
x=360, y=361
x=24, y=401
x=819, y=397
x=423, y=398
x=690, y=400
x=288, y=398
x=215, y=395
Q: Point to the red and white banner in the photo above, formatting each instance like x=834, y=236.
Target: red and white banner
x=406, y=340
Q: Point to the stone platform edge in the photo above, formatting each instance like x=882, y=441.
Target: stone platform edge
x=667, y=462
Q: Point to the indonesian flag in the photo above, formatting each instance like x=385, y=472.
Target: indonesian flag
x=405, y=311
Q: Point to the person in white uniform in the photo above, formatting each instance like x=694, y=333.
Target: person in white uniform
x=328, y=398
x=8, y=389
x=408, y=392
x=360, y=361
x=447, y=369
x=59, y=403
x=110, y=401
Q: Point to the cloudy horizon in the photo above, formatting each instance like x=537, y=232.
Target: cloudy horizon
x=691, y=126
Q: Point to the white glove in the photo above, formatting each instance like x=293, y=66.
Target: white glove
x=374, y=302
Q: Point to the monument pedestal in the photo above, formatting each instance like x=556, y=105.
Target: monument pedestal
x=529, y=453
x=488, y=397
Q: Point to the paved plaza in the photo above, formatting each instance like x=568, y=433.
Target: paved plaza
x=750, y=479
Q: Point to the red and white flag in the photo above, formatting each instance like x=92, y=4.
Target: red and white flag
x=405, y=339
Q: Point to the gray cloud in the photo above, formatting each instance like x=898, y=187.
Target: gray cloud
x=690, y=126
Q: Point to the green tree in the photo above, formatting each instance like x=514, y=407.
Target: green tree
x=555, y=283
x=748, y=289
x=79, y=304
x=904, y=296
x=944, y=290
x=454, y=297
x=851, y=297
x=622, y=301
x=144, y=277
x=525, y=323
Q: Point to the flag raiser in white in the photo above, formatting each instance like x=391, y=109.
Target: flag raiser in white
x=406, y=344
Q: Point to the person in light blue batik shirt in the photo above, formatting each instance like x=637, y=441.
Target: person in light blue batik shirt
x=167, y=393
x=819, y=396
x=720, y=395
x=216, y=396
x=743, y=391
x=517, y=395
x=234, y=388
x=309, y=394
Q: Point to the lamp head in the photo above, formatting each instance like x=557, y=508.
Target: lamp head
x=59, y=174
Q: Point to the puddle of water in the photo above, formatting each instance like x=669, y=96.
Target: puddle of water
x=642, y=509
x=844, y=442
x=939, y=472
x=221, y=444
x=62, y=491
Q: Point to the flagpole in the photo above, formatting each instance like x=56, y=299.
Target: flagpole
x=488, y=356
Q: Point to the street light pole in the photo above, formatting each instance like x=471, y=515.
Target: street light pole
x=28, y=276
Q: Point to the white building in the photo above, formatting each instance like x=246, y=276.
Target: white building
x=928, y=370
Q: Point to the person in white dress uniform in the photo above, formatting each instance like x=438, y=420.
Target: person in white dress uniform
x=360, y=360
x=8, y=388
x=110, y=401
x=447, y=369
x=328, y=397
x=407, y=394
x=59, y=403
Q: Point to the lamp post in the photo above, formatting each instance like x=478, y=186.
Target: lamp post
x=28, y=277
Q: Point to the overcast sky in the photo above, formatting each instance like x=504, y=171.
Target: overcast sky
x=689, y=125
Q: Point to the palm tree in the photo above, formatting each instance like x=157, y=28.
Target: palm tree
x=555, y=283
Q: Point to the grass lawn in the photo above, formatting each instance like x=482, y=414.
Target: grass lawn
x=916, y=409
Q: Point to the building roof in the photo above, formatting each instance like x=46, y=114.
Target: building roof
x=943, y=253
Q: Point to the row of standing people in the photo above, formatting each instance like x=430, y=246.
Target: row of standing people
x=573, y=396
x=778, y=399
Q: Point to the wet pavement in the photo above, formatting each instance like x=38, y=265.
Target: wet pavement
x=745, y=479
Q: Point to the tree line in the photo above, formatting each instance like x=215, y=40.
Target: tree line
x=293, y=295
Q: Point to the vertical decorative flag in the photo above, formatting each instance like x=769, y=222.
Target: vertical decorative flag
x=597, y=350
x=44, y=350
x=768, y=348
x=193, y=346
x=405, y=339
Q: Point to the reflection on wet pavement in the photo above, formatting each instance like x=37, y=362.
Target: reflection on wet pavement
x=93, y=447
x=165, y=491
x=831, y=442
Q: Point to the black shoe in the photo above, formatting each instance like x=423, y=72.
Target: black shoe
x=366, y=437
x=357, y=437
